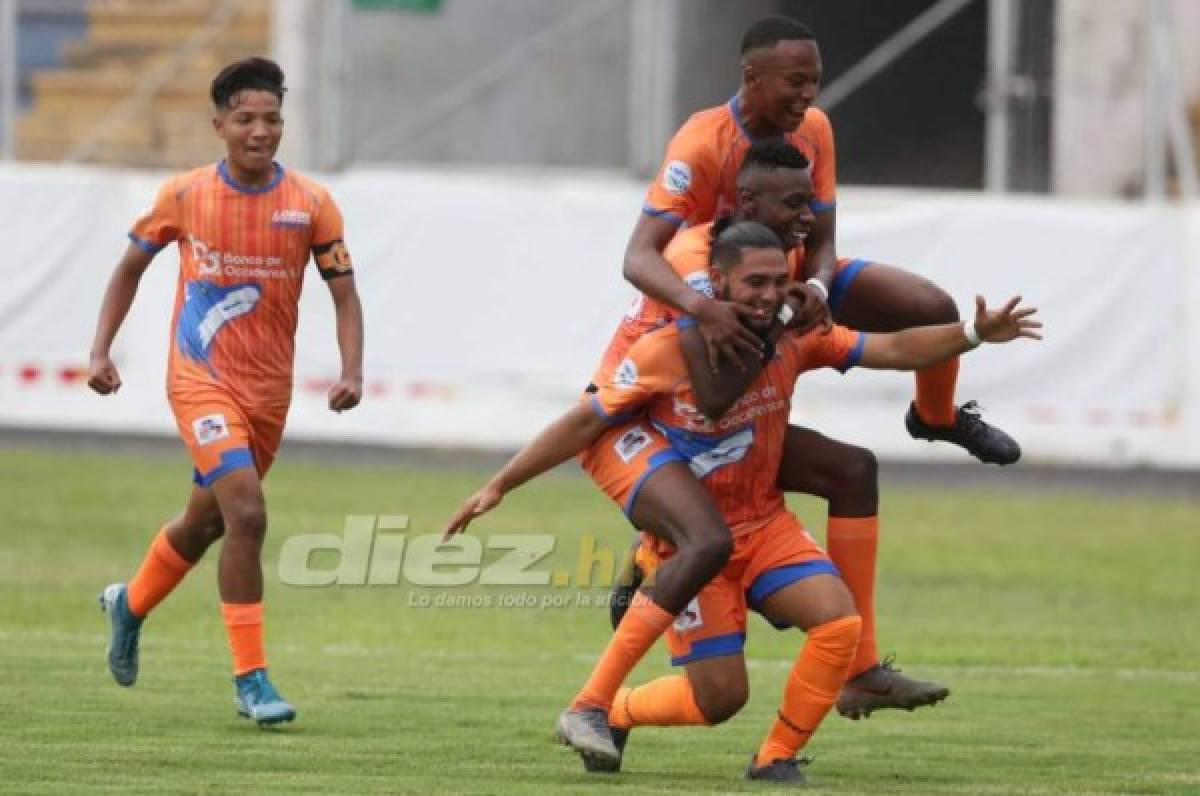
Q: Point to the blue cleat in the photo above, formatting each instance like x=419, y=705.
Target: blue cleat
x=257, y=699
x=123, y=640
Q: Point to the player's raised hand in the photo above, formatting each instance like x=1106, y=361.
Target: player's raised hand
x=346, y=394
x=809, y=308
x=724, y=333
x=477, y=505
x=1007, y=323
x=102, y=374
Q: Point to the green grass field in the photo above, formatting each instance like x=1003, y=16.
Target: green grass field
x=1066, y=626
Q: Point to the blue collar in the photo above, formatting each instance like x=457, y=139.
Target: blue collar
x=223, y=170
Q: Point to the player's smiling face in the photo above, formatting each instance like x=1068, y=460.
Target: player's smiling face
x=780, y=200
x=251, y=128
x=781, y=83
x=759, y=281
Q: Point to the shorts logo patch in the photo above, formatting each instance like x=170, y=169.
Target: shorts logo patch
x=210, y=428
x=677, y=177
x=700, y=282
x=626, y=374
x=689, y=618
x=631, y=443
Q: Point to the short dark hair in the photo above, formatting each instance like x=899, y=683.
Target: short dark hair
x=770, y=31
x=260, y=74
x=773, y=153
x=729, y=237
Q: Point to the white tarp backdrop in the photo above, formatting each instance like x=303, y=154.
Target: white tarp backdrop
x=488, y=299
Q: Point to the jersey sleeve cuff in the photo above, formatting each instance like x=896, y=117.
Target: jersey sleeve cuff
x=855, y=355
x=147, y=246
x=654, y=212
x=822, y=207
x=610, y=419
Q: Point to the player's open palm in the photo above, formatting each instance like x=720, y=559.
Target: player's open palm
x=477, y=505
x=1007, y=323
x=102, y=375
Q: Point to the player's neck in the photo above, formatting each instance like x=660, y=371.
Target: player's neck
x=753, y=122
x=250, y=179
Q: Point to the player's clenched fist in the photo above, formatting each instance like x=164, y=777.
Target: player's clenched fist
x=102, y=374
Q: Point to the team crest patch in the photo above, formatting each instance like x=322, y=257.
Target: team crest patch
x=677, y=177
x=631, y=443
x=210, y=428
x=689, y=618
x=626, y=374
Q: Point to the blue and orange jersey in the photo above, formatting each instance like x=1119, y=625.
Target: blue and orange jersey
x=242, y=253
x=688, y=253
x=697, y=181
x=737, y=456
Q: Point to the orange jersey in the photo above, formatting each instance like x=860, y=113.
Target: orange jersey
x=242, y=254
x=698, y=178
x=736, y=456
x=688, y=253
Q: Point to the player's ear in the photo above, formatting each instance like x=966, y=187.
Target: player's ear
x=749, y=73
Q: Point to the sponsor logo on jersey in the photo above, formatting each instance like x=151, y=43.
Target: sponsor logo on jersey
x=631, y=443
x=677, y=177
x=626, y=374
x=689, y=618
x=291, y=218
x=210, y=428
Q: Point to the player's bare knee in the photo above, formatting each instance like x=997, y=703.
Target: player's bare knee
x=935, y=305
x=860, y=471
x=720, y=704
x=713, y=552
x=247, y=520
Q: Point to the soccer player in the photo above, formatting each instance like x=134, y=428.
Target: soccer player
x=246, y=228
x=780, y=76
x=775, y=567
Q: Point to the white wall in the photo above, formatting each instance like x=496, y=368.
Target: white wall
x=488, y=299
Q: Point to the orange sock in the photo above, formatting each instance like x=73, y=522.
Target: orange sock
x=853, y=544
x=935, y=392
x=161, y=571
x=244, y=625
x=811, y=688
x=644, y=622
x=666, y=702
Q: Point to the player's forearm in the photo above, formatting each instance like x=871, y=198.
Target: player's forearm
x=650, y=273
x=562, y=439
x=348, y=311
x=913, y=349
x=118, y=298
x=715, y=392
x=820, y=250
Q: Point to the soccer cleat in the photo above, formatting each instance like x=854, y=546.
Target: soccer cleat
x=883, y=686
x=257, y=699
x=587, y=732
x=782, y=771
x=625, y=585
x=985, y=442
x=123, y=639
x=597, y=765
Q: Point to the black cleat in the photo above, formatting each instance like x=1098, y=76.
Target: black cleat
x=625, y=585
x=883, y=686
x=782, y=771
x=985, y=442
x=597, y=765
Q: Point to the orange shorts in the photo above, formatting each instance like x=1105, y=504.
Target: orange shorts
x=764, y=561
x=623, y=457
x=223, y=434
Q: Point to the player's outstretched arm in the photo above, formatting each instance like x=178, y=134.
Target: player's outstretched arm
x=915, y=348
x=649, y=272
x=118, y=298
x=559, y=441
x=347, y=392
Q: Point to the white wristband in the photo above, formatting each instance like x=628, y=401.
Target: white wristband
x=786, y=313
x=819, y=286
x=971, y=333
